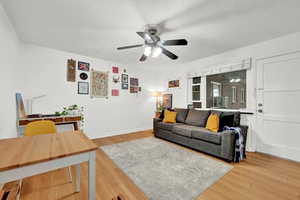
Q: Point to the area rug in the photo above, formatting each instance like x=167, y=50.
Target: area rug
x=164, y=171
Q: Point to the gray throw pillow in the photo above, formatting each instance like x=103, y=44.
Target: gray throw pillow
x=181, y=114
x=197, y=117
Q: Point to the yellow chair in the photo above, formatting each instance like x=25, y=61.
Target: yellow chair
x=42, y=127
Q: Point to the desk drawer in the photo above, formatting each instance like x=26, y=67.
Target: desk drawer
x=72, y=119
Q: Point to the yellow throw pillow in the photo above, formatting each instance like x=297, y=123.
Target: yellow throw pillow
x=213, y=123
x=170, y=117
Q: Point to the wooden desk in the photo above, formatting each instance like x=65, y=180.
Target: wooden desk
x=28, y=156
x=59, y=120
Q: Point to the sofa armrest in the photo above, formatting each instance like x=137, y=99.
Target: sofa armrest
x=244, y=131
x=155, y=122
x=228, y=144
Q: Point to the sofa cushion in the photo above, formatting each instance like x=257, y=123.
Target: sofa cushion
x=170, y=117
x=226, y=120
x=162, y=113
x=181, y=114
x=166, y=126
x=206, y=135
x=197, y=117
x=184, y=130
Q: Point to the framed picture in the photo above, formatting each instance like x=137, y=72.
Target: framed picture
x=83, y=88
x=134, y=89
x=173, y=83
x=83, y=66
x=115, y=70
x=99, y=84
x=167, y=101
x=115, y=92
x=124, y=78
x=71, y=70
x=83, y=76
x=134, y=82
x=124, y=86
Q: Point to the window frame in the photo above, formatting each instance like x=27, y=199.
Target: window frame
x=196, y=84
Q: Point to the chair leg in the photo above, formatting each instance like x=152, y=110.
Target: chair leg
x=19, y=189
x=70, y=175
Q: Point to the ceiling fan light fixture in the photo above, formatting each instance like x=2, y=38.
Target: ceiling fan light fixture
x=156, y=52
x=148, y=51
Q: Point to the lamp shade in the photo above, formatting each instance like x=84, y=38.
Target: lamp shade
x=157, y=94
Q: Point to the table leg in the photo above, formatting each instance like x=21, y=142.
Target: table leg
x=78, y=176
x=92, y=178
x=75, y=126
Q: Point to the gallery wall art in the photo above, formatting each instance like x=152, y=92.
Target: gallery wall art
x=167, y=101
x=83, y=88
x=174, y=84
x=116, y=78
x=134, y=82
x=115, y=70
x=134, y=89
x=124, y=80
x=71, y=70
x=114, y=92
x=124, y=86
x=83, y=76
x=83, y=66
x=99, y=84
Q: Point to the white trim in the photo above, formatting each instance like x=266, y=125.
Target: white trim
x=241, y=65
x=280, y=151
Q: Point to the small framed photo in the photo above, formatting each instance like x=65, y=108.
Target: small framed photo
x=134, y=82
x=124, y=78
x=115, y=70
x=115, y=92
x=124, y=86
x=83, y=66
x=83, y=88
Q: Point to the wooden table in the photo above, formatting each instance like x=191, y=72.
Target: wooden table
x=28, y=156
x=58, y=120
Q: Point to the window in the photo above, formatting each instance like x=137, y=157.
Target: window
x=196, y=85
x=243, y=95
x=233, y=98
x=227, y=90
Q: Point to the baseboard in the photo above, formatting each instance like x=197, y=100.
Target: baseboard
x=280, y=151
x=118, y=133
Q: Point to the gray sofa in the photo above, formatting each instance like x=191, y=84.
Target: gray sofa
x=189, y=131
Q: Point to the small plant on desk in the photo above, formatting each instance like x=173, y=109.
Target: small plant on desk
x=73, y=110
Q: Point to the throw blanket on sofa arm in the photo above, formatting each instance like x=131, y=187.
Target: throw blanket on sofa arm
x=239, y=143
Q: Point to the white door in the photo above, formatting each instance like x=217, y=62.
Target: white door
x=278, y=105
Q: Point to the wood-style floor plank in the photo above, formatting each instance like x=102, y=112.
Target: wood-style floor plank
x=259, y=177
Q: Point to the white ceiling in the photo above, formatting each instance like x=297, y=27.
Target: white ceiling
x=97, y=27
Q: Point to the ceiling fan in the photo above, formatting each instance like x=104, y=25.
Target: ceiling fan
x=154, y=46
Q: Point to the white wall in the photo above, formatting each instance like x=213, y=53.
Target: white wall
x=9, y=45
x=34, y=70
x=43, y=71
x=282, y=45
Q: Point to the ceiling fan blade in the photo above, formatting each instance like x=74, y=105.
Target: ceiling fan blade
x=168, y=53
x=175, y=42
x=147, y=37
x=143, y=58
x=129, y=47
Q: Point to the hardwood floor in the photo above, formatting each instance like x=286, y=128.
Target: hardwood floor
x=258, y=177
